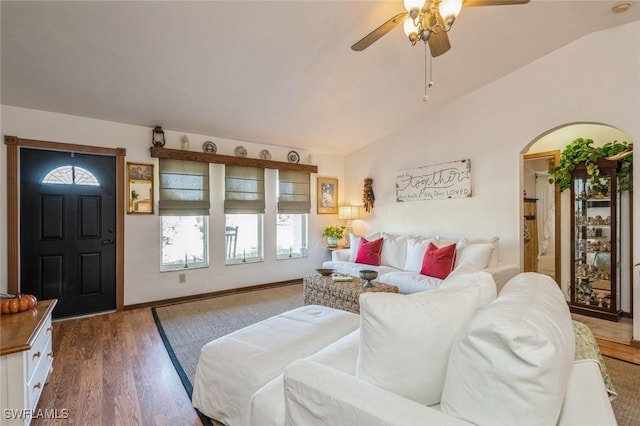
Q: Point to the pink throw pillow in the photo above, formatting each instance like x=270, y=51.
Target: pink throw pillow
x=369, y=252
x=438, y=262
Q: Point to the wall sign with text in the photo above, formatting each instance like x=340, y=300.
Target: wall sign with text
x=446, y=180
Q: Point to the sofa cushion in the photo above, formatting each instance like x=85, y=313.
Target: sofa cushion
x=467, y=274
x=351, y=268
x=405, y=340
x=515, y=357
x=394, y=250
x=416, y=246
x=438, y=262
x=410, y=282
x=369, y=251
x=267, y=404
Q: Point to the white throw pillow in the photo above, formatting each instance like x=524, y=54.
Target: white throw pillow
x=467, y=274
x=512, y=364
x=394, y=250
x=416, y=247
x=405, y=340
x=478, y=254
x=495, y=242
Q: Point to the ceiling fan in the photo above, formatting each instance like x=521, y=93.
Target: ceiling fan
x=429, y=21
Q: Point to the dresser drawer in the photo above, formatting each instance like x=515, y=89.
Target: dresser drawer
x=40, y=375
x=39, y=349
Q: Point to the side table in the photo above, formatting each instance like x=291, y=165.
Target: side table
x=345, y=295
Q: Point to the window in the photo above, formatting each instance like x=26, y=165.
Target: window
x=69, y=175
x=294, y=204
x=184, y=242
x=291, y=236
x=244, y=238
x=244, y=211
x=184, y=211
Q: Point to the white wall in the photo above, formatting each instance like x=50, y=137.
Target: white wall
x=143, y=281
x=594, y=79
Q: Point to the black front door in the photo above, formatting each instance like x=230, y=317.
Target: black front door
x=68, y=230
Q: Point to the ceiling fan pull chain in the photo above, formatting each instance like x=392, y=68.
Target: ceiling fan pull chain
x=429, y=84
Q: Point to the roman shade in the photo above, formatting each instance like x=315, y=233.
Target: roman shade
x=294, y=195
x=184, y=188
x=244, y=190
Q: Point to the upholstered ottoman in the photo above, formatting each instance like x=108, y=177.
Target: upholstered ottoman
x=232, y=368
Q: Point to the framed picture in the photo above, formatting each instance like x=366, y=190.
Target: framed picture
x=139, y=188
x=327, y=195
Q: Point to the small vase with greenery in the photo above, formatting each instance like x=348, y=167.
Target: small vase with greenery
x=333, y=234
x=582, y=150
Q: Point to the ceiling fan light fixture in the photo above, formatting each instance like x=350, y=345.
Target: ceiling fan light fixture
x=414, y=6
x=409, y=27
x=449, y=10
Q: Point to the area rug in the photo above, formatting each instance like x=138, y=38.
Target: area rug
x=625, y=376
x=186, y=327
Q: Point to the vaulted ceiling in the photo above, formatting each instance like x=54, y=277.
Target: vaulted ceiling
x=274, y=72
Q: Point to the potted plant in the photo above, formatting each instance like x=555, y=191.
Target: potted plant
x=333, y=234
x=581, y=150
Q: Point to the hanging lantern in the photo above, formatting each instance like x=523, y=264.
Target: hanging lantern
x=158, y=136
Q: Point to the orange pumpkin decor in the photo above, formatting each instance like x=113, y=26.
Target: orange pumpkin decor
x=10, y=304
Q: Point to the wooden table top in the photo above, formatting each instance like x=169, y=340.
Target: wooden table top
x=18, y=331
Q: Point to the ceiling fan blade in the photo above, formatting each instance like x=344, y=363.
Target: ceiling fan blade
x=474, y=3
x=439, y=43
x=374, y=35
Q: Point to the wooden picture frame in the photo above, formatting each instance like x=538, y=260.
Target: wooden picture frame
x=327, y=190
x=140, y=188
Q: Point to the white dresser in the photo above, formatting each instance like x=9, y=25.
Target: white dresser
x=26, y=358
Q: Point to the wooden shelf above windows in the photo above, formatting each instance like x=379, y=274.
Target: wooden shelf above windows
x=177, y=154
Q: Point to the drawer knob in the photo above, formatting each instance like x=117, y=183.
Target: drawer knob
x=50, y=328
x=37, y=355
x=37, y=386
x=50, y=354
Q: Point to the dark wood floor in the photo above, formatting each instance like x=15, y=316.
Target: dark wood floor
x=113, y=369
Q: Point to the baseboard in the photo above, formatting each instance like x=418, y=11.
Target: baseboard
x=193, y=297
x=635, y=343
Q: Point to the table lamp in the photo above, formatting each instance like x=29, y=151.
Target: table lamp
x=349, y=213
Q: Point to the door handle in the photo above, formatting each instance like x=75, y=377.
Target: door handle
x=107, y=242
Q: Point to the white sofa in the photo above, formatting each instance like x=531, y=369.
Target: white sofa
x=401, y=260
x=512, y=363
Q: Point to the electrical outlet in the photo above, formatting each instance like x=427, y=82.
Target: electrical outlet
x=182, y=278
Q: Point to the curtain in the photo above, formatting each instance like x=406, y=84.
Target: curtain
x=184, y=188
x=244, y=189
x=293, y=189
x=545, y=193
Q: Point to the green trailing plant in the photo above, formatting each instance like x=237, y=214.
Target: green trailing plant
x=582, y=150
x=334, y=232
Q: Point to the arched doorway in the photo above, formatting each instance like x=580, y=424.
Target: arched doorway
x=555, y=140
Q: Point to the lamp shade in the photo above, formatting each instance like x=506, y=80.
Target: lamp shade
x=413, y=4
x=449, y=9
x=349, y=212
x=409, y=27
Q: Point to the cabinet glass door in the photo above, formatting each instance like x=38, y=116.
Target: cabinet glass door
x=594, y=289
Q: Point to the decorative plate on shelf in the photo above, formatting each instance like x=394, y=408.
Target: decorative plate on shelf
x=265, y=154
x=240, y=151
x=293, y=157
x=209, y=147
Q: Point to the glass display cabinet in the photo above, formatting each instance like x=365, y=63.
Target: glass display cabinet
x=595, y=277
